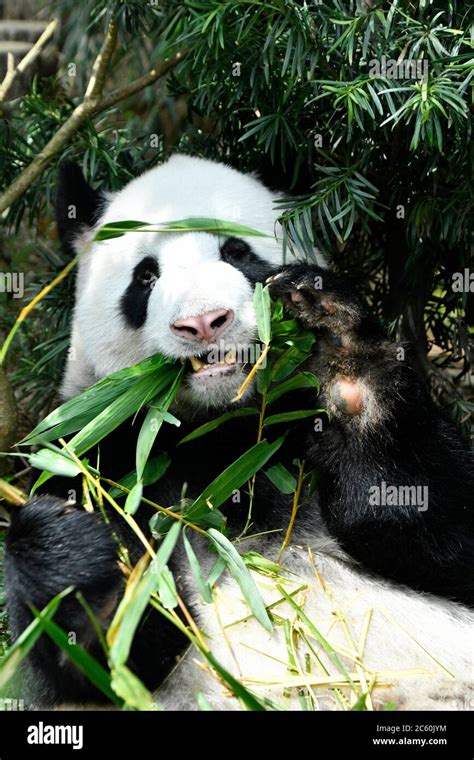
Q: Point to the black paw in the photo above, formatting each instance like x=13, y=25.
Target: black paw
x=317, y=297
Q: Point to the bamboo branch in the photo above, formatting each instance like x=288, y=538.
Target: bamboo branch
x=101, y=64
x=158, y=72
x=31, y=56
x=94, y=103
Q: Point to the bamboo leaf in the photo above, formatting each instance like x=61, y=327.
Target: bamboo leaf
x=276, y=419
x=203, y=587
x=78, y=411
x=154, y=470
x=23, y=644
x=55, y=463
x=242, y=576
x=166, y=588
x=129, y=688
x=263, y=312
x=190, y=224
x=156, y=415
x=235, y=476
x=301, y=380
x=79, y=656
x=281, y=478
x=134, y=498
x=208, y=427
x=132, y=607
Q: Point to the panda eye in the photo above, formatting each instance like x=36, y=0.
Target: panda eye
x=146, y=273
x=234, y=248
x=147, y=278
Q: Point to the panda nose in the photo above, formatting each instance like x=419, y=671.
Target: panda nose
x=206, y=326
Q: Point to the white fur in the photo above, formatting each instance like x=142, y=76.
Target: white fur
x=194, y=280
x=419, y=648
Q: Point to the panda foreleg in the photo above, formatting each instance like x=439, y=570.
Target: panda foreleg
x=395, y=480
x=50, y=546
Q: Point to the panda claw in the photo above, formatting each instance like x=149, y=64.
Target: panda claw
x=314, y=306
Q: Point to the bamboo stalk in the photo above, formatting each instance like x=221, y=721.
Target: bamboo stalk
x=14, y=71
x=94, y=102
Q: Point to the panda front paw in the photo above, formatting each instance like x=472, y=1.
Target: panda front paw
x=318, y=298
x=349, y=342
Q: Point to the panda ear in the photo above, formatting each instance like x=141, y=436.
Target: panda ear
x=78, y=205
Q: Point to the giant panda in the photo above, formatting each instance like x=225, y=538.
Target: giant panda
x=406, y=570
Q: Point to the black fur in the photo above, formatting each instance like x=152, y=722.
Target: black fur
x=401, y=438
x=407, y=441
x=52, y=545
x=239, y=253
x=78, y=205
x=134, y=303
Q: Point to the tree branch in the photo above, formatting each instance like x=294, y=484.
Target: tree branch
x=93, y=103
x=31, y=56
x=101, y=64
x=139, y=84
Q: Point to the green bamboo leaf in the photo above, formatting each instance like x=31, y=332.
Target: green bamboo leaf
x=23, y=644
x=134, y=498
x=283, y=328
x=138, y=394
x=190, y=224
x=217, y=226
x=78, y=411
x=234, y=476
x=131, y=608
x=262, y=565
x=166, y=588
x=242, y=576
x=208, y=427
x=154, y=470
x=281, y=478
x=263, y=312
x=287, y=363
x=129, y=688
x=55, y=463
x=216, y=571
x=203, y=587
x=89, y=666
x=156, y=415
x=301, y=380
x=276, y=419
x=117, y=229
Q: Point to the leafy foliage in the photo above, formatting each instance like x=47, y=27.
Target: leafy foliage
x=376, y=156
x=359, y=112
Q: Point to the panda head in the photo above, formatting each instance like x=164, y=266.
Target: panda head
x=187, y=296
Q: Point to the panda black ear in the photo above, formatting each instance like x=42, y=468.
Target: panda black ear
x=77, y=204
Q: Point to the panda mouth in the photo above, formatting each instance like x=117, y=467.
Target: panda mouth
x=202, y=366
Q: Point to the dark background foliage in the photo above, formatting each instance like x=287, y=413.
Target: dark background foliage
x=373, y=170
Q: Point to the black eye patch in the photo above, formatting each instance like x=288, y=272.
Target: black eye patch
x=239, y=254
x=134, y=302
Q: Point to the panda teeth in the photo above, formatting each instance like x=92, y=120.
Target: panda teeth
x=196, y=363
